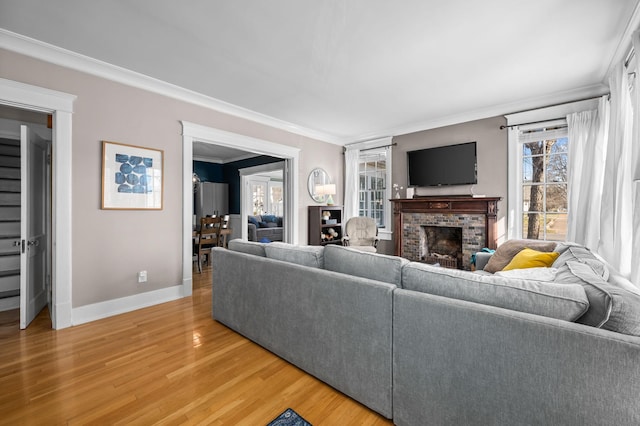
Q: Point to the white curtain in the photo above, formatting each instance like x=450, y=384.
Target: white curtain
x=635, y=164
x=585, y=172
x=616, y=233
x=351, y=156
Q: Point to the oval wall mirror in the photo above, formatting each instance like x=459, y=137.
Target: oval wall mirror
x=318, y=178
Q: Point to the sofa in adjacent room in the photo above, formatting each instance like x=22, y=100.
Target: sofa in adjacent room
x=421, y=344
x=263, y=227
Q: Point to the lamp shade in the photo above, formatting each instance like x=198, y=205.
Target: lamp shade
x=328, y=189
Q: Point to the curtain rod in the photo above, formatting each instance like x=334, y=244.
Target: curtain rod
x=378, y=147
x=344, y=148
x=502, y=127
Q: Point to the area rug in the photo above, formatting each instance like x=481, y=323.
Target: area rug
x=289, y=418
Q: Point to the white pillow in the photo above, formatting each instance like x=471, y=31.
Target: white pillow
x=537, y=274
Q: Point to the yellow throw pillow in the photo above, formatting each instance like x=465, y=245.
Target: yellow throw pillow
x=528, y=258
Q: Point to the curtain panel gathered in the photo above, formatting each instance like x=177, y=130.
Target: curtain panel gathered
x=635, y=165
x=350, y=183
x=585, y=173
x=604, y=174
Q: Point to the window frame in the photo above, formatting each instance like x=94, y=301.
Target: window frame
x=515, y=122
x=366, y=156
x=367, y=147
x=516, y=182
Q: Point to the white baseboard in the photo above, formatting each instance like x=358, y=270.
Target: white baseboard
x=100, y=310
x=9, y=303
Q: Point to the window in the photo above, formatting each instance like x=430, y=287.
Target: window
x=372, y=192
x=266, y=196
x=367, y=183
x=258, y=197
x=543, y=155
x=276, y=204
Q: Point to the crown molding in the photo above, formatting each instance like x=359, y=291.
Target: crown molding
x=68, y=59
x=625, y=45
x=491, y=111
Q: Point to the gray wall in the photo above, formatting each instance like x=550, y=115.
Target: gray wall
x=492, y=160
x=109, y=247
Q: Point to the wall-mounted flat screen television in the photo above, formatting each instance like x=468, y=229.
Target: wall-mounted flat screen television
x=443, y=165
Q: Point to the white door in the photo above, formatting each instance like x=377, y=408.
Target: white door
x=34, y=152
x=258, y=197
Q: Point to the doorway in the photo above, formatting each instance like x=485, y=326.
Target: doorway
x=60, y=106
x=194, y=132
x=25, y=213
x=261, y=192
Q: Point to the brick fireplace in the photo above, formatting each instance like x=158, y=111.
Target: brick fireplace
x=444, y=218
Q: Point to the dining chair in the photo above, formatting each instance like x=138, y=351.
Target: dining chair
x=208, y=236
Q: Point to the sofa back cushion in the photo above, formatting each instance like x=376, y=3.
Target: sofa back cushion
x=364, y=264
x=583, y=255
x=312, y=256
x=249, y=247
x=565, y=302
x=509, y=249
x=610, y=306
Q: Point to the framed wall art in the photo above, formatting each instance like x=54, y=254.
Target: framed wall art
x=132, y=177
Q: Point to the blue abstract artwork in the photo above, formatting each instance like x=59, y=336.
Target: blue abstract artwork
x=134, y=175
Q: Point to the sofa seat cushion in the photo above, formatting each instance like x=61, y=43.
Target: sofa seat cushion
x=312, y=256
x=541, y=273
x=560, y=301
x=505, y=253
x=363, y=264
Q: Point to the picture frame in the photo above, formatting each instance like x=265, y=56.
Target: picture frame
x=132, y=177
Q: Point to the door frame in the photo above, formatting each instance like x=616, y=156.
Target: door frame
x=192, y=132
x=245, y=176
x=60, y=105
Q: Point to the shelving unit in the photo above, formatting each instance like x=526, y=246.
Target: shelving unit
x=320, y=227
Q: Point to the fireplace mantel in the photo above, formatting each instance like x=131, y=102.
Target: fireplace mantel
x=455, y=205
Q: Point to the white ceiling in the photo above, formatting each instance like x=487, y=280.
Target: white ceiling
x=218, y=153
x=349, y=70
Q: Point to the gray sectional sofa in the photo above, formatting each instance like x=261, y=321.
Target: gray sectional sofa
x=425, y=345
x=265, y=226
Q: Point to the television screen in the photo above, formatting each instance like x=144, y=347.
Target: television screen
x=444, y=165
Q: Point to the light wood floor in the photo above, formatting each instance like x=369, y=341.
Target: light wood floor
x=167, y=364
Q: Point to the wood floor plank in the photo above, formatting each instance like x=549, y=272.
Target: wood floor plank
x=169, y=364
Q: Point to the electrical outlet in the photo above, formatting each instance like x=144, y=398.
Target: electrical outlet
x=142, y=276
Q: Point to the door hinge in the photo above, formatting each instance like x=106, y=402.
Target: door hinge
x=19, y=243
x=49, y=159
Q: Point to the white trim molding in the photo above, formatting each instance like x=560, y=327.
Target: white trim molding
x=59, y=104
x=96, y=311
x=66, y=58
x=69, y=59
x=191, y=133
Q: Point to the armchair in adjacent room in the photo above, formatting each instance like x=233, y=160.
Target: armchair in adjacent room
x=361, y=233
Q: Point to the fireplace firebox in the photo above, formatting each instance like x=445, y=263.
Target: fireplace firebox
x=441, y=245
